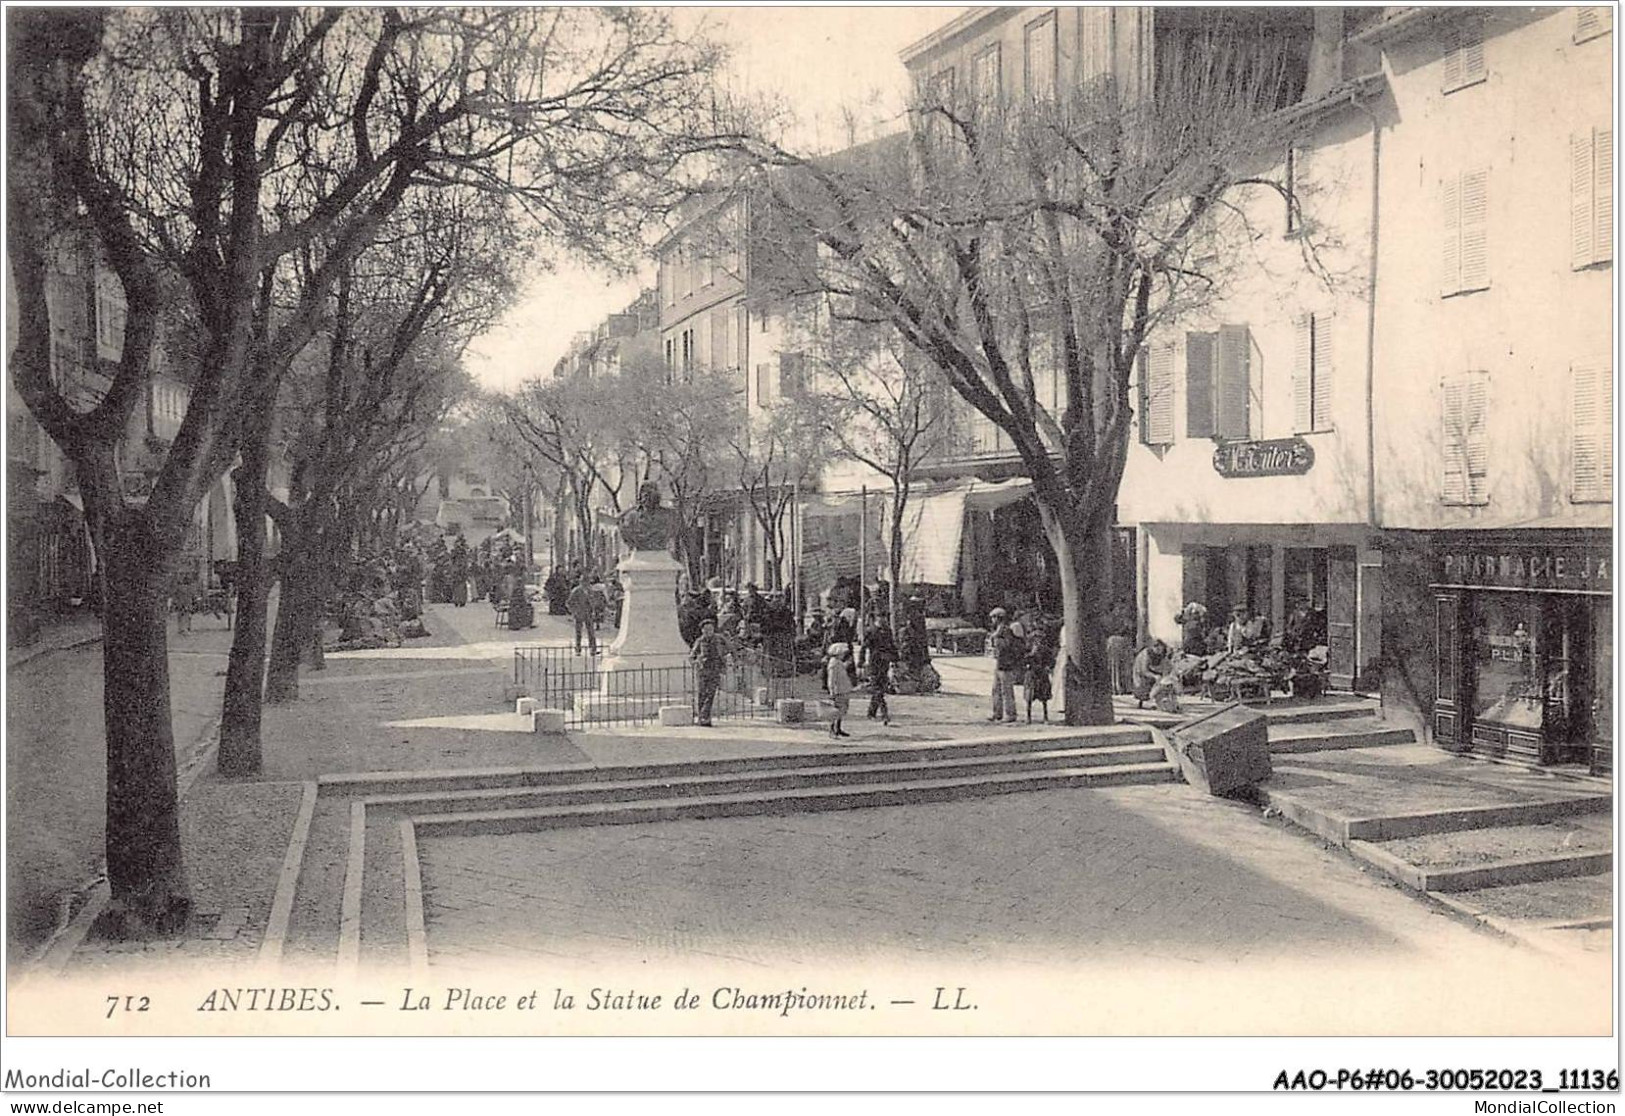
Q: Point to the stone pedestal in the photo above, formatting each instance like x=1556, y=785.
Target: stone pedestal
x=647, y=665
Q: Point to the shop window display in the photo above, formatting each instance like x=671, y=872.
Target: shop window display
x=1506, y=660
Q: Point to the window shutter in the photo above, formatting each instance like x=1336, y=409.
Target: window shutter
x=1453, y=488
x=1477, y=404
x=1464, y=54
x=763, y=372
x=1593, y=433
x=1589, y=22
x=1475, y=266
x=1199, y=384
x=1450, y=281
x=1321, y=327
x=1602, y=162
x=1303, y=329
x=1162, y=394
x=1232, y=387
x=1582, y=213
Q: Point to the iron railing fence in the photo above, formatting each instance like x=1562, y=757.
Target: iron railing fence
x=752, y=682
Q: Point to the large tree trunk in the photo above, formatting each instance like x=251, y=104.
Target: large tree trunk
x=1083, y=552
x=145, y=867
x=296, y=611
x=240, y=752
x=894, y=558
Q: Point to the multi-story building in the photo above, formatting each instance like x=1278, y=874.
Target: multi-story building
x=1492, y=375
x=50, y=560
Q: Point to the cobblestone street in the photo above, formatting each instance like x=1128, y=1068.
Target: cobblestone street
x=1147, y=884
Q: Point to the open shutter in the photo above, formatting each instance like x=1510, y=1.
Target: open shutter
x=1589, y=22
x=1582, y=213
x=1593, y=410
x=1199, y=384
x=1233, y=385
x=1476, y=402
x=1302, y=374
x=1162, y=394
x=1322, y=353
x=1602, y=163
x=1475, y=267
x=1453, y=486
x=1450, y=202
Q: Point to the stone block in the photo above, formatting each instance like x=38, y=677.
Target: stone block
x=524, y=705
x=1226, y=751
x=548, y=720
x=675, y=716
x=790, y=711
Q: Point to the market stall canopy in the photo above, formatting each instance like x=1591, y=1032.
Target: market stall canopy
x=934, y=525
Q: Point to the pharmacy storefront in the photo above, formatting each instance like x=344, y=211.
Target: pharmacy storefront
x=1524, y=657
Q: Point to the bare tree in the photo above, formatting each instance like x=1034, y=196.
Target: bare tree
x=775, y=455
x=1012, y=245
x=682, y=426
x=216, y=143
x=879, y=404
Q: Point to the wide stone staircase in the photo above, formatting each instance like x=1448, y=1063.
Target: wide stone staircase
x=1525, y=851
x=360, y=891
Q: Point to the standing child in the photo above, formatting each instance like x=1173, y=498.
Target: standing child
x=1040, y=666
x=838, y=677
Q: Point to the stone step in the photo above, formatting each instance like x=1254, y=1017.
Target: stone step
x=1294, y=737
x=799, y=800
x=1495, y=856
x=1334, y=710
x=422, y=782
x=1395, y=827
x=623, y=790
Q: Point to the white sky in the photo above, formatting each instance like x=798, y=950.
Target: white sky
x=818, y=59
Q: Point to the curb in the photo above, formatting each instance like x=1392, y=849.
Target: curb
x=32, y=653
x=276, y=929
x=53, y=956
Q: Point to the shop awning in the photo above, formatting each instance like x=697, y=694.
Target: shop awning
x=934, y=525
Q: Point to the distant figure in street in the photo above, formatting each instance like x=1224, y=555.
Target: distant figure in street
x=184, y=603
x=1151, y=668
x=709, y=655
x=838, y=671
x=1009, y=657
x=1040, y=667
x=581, y=605
x=879, y=652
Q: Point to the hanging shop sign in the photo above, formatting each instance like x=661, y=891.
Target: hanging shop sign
x=1571, y=568
x=1276, y=457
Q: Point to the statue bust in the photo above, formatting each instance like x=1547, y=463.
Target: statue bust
x=649, y=526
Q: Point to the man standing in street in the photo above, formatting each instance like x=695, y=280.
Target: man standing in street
x=709, y=656
x=580, y=603
x=1009, y=656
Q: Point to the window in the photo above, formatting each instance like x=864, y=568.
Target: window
x=110, y=313
x=688, y=355
x=668, y=283
x=685, y=271
x=1589, y=23
x=722, y=349
x=791, y=371
x=1465, y=440
x=1157, y=395
x=1593, y=433
x=1466, y=233
x=764, y=374
x=1232, y=383
x=1041, y=58
x=986, y=77
x=1591, y=197
x=1296, y=181
x=1311, y=373
x=1464, y=53
x=1199, y=352
x=671, y=359
x=708, y=267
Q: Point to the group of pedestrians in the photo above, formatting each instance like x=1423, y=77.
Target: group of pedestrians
x=1024, y=655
